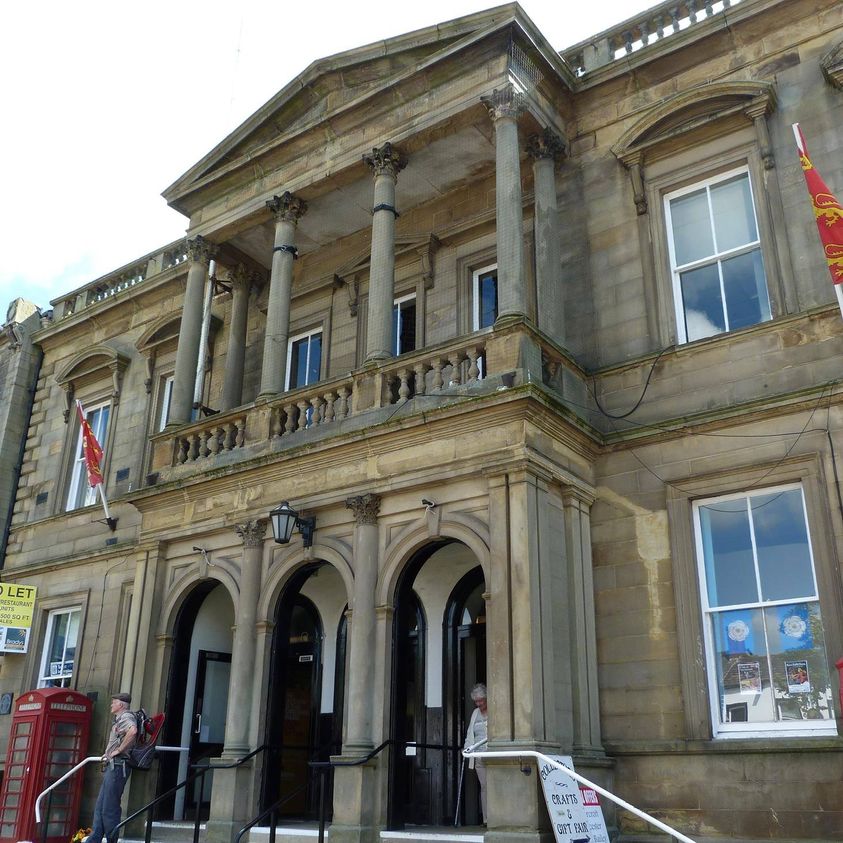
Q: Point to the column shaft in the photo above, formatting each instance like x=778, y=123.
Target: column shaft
x=232, y=390
x=243, y=645
x=187, y=353
x=287, y=209
x=386, y=162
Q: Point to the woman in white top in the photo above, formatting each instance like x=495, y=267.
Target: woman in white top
x=477, y=734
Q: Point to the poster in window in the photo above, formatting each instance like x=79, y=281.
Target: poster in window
x=749, y=675
x=17, y=603
x=798, y=681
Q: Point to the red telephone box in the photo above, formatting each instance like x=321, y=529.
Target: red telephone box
x=49, y=735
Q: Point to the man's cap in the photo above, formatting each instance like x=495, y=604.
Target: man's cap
x=126, y=698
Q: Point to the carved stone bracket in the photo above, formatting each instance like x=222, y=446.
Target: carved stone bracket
x=633, y=164
x=352, y=286
x=427, y=253
x=199, y=249
x=287, y=207
x=386, y=160
x=252, y=532
x=757, y=111
x=831, y=65
x=68, y=400
x=365, y=507
x=546, y=145
x=504, y=102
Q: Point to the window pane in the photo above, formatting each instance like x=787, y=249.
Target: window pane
x=298, y=364
x=797, y=653
x=734, y=216
x=314, y=362
x=691, y=224
x=702, y=302
x=781, y=542
x=408, y=327
x=727, y=553
x=487, y=293
x=746, y=290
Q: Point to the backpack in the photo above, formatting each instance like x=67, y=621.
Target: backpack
x=142, y=754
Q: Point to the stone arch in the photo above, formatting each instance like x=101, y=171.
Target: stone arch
x=161, y=330
x=184, y=585
x=469, y=530
x=286, y=562
x=688, y=110
x=100, y=362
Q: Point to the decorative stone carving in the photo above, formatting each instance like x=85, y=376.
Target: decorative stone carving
x=546, y=145
x=386, y=160
x=252, y=532
x=199, y=249
x=287, y=207
x=506, y=102
x=757, y=111
x=636, y=176
x=365, y=507
x=831, y=65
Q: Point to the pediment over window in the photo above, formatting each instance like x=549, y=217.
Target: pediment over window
x=163, y=330
x=687, y=118
x=101, y=363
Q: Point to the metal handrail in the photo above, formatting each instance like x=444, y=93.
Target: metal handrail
x=89, y=760
x=529, y=753
x=201, y=772
x=270, y=811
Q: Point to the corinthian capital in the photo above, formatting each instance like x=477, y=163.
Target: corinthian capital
x=287, y=207
x=506, y=102
x=199, y=249
x=252, y=532
x=546, y=145
x=365, y=507
x=386, y=160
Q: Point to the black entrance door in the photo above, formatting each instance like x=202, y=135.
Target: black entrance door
x=207, y=734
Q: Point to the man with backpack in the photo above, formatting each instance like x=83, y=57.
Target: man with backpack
x=121, y=739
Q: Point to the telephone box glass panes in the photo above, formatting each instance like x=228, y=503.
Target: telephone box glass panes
x=404, y=325
x=80, y=492
x=59, y=652
x=485, y=295
x=305, y=360
x=715, y=253
x=764, y=634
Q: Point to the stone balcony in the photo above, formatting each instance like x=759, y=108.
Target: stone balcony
x=474, y=366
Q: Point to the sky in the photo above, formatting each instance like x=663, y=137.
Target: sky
x=105, y=104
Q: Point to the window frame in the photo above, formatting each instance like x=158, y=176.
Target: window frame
x=740, y=729
x=43, y=676
x=165, y=393
x=806, y=470
x=396, y=304
x=716, y=258
x=296, y=338
x=77, y=471
x=476, y=275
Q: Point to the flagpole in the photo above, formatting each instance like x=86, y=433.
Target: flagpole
x=112, y=522
x=838, y=289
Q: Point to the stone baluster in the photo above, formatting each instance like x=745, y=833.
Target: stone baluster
x=316, y=414
x=342, y=405
x=275, y=426
x=438, y=382
x=288, y=209
x=404, y=386
x=303, y=406
x=420, y=370
x=474, y=367
x=200, y=252
x=455, y=359
x=328, y=414
x=290, y=412
x=504, y=107
x=386, y=162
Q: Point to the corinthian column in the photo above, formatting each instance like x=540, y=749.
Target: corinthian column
x=242, y=680
x=386, y=162
x=199, y=252
x=232, y=389
x=545, y=150
x=504, y=107
x=361, y=667
x=288, y=209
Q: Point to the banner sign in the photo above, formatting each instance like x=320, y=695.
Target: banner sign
x=17, y=603
x=574, y=809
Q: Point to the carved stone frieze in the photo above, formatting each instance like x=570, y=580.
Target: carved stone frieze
x=287, y=207
x=386, y=160
x=365, y=507
x=252, y=532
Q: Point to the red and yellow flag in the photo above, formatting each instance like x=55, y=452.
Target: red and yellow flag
x=827, y=210
x=91, y=449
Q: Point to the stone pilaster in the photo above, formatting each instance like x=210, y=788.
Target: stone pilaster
x=546, y=150
x=232, y=390
x=288, y=209
x=386, y=162
x=504, y=108
x=359, y=706
x=199, y=252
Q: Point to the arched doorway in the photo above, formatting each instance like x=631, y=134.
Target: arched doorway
x=197, y=694
x=307, y=678
x=439, y=652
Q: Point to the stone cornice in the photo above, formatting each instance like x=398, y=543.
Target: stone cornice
x=831, y=65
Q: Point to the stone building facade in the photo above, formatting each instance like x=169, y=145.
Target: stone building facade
x=545, y=346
